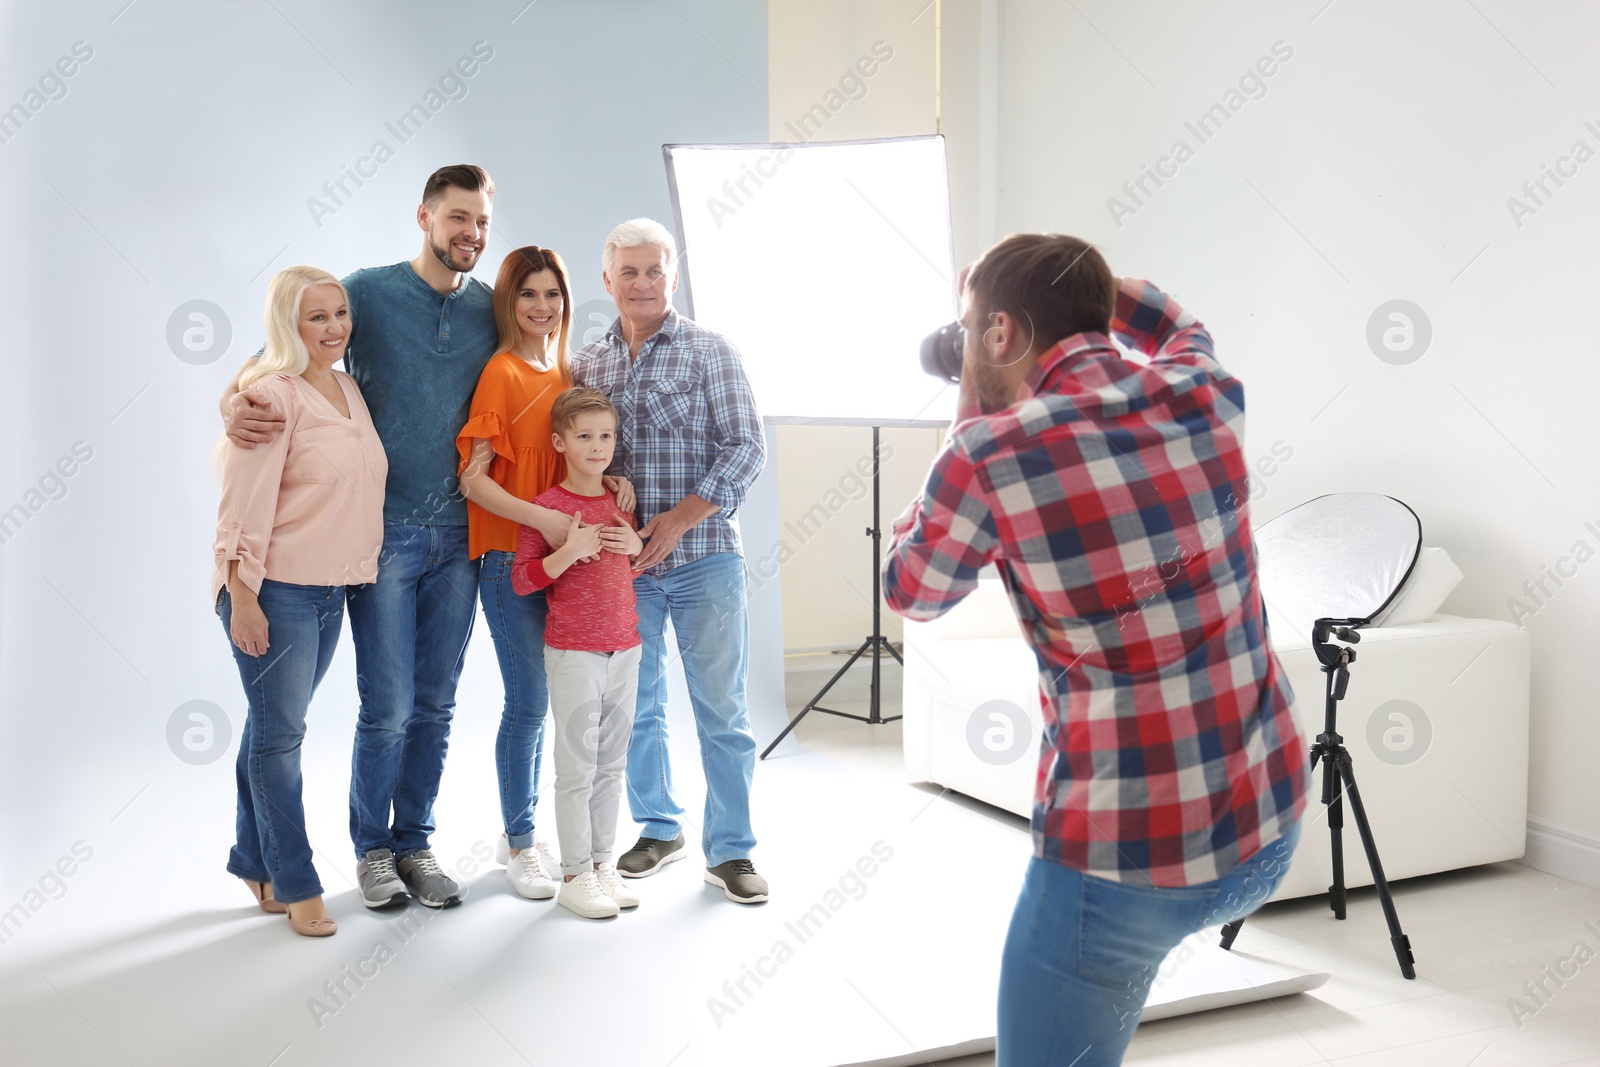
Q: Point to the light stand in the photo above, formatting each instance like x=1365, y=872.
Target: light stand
x=1338, y=770
x=876, y=643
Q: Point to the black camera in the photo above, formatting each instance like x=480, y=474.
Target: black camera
x=941, y=352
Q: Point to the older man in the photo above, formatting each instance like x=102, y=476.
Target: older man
x=690, y=438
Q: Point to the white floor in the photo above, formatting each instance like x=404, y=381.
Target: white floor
x=1478, y=936
x=153, y=955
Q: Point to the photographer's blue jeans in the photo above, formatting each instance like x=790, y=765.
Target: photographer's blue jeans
x=1082, y=952
x=303, y=624
x=706, y=600
x=517, y=625
x=410, y=630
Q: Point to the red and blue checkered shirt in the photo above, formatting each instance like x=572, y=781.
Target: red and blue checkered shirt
x=1113, y=503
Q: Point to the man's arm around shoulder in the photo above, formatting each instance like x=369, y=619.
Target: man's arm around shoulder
x=248, y=418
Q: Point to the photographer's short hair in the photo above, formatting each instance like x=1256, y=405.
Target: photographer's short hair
x=1053, y=284
x=461, y=176
x=635, y=233
x=577, y=401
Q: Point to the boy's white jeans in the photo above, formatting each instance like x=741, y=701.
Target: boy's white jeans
x=592, y=697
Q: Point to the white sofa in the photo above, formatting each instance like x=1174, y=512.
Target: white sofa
x=1445, y=788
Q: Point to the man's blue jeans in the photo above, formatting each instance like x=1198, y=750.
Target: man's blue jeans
x=1082, y=952
x=706, y=600
x=410, y=630
x=303, y=624
x=517, y=625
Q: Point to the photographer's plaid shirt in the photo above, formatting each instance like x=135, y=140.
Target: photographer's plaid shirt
x=1112, y=502
x=686, y=423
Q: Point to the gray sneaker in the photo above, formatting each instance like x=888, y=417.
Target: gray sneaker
x=380, y=885
x=427, y=880
x=649, y=855
x=739, y=881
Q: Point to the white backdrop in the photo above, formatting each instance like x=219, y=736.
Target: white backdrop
x=184, y=159
x=834, y=267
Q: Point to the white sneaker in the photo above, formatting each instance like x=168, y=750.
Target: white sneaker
x=586, y=897
x=615, y=888
x=527, y=877
x=552, y=866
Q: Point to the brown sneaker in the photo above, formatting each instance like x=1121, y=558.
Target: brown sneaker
x=649, y=855
x=739, y=881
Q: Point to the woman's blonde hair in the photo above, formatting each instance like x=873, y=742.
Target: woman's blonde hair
x=284, y=351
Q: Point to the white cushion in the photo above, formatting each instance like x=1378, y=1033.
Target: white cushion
x=1431, y=581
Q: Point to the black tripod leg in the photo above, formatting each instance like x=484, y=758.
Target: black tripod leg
x=1231, y=931
x=1397, y=937
x=818, y=698
x=1333, y=797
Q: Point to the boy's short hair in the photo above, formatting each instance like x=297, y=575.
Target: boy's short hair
x=574, y=402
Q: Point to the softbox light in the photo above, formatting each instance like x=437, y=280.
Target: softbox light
x=826, y=263
x=1340, y=556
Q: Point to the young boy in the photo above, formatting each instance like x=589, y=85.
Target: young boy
x=591, y=650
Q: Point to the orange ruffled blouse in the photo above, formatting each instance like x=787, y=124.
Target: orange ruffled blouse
x=511, y=408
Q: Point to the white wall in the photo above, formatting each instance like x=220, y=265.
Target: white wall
x=1376, y=166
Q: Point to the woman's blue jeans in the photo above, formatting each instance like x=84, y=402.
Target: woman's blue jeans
x=1082, y=953
x=303, y=623
x=517, y=625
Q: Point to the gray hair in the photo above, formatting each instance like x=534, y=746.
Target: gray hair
x=636, y=233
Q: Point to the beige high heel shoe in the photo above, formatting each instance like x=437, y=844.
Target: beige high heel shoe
x=268, y=904
x=323, y=927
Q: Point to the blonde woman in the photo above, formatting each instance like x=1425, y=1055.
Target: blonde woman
x=301, y=518
x=507, y=459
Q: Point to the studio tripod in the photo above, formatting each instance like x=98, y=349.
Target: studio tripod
x=876, y=643
x=1336, y=771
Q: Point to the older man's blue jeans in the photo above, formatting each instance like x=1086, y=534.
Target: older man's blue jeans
x=706, y=601
x=410, y=631
x=270, y=843
x=1083, y=952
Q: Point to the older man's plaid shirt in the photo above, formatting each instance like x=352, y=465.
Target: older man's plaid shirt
x=687, y=423
x=1113, y=503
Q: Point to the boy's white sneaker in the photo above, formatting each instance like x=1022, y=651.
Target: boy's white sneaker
x=527, y=877
x=586, y=897
x=614, y=886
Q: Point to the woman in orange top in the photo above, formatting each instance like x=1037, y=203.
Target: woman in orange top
x=507, y=459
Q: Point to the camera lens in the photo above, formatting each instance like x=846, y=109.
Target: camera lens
x=941, y=352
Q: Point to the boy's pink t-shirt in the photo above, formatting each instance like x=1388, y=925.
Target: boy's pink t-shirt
x=591, y=604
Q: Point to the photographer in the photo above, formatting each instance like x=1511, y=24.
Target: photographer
x=1171, y=774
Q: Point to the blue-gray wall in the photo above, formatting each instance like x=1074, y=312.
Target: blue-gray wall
x=175, y=164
